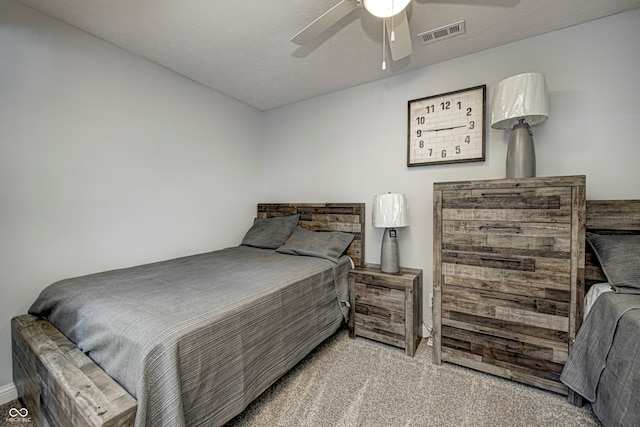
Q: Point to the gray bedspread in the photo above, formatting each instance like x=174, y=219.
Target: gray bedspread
x=604, y=363
x=196, y=339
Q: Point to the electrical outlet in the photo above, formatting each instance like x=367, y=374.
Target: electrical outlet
x=430, y=299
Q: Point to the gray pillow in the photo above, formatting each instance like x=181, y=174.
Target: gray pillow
x=619, y=257
x=270, y=233
x=323, y=244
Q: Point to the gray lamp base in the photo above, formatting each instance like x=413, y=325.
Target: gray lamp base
x=389, y=255
x=521, y=154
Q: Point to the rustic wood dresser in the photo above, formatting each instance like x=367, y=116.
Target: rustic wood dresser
x=509, y=275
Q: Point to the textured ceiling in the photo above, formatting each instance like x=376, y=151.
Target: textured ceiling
x=243, y=48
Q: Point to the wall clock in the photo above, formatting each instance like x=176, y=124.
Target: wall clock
x=447, y=128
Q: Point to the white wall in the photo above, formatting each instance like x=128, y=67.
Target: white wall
x=351, y=145
x=107, y=160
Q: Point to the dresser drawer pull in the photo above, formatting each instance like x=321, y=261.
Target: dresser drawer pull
x=501, y=194
x=501, y=297
x=506, y=260
x=377, y=313
x=503, y=229
x=382, y=288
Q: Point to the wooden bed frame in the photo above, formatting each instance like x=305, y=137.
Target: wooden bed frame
x=608, y=217
x=61, y=386
x=605, y=217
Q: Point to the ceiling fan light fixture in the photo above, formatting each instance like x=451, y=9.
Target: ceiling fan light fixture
x=385, y=8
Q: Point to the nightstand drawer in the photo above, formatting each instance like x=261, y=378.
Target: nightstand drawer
x=392, y=300
x=380, y=319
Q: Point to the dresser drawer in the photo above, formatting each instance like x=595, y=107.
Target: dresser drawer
x=534, y=204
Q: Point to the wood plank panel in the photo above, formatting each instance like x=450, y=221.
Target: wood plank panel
x=524, y=310
x=508, y=328
x=550, y=280
x=465, y=359
x=509, y=287
x=380, y=296
x=536, y=239
x=613, y=215
x=559, y=348
x=482, y=341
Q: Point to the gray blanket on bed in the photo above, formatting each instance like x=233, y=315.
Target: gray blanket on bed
x=604, y=363
x=196, y=339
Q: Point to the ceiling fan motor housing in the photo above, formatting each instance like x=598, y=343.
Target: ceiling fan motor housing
x=385, y=8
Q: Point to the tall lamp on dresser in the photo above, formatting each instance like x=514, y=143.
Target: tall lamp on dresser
x=520, y=102
x=509, y=275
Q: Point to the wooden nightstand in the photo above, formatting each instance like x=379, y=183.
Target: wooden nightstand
x=386, y=307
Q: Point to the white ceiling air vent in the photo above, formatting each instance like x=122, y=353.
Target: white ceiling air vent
x=441, y=33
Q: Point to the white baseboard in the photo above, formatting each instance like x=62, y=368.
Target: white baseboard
x=8, y=393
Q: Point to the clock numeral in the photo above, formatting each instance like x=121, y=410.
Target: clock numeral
x=467, y=139
x=458, y=151
x=469, y=111
x=421, y=144
x=418, y=133
x=459, y=105
x=420, y=120
x=430, y=151
x=472, y=124
x=430, y=108
x=445, y=105
x=443, y=153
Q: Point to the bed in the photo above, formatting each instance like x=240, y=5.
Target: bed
x=603, y=366
x=193, y=340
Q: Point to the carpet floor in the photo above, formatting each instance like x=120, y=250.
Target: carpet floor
x=360, y=382
x=347, y=382
x=15, y=414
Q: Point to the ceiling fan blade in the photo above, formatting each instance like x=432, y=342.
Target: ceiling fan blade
x=401, y=47
x=324, y=22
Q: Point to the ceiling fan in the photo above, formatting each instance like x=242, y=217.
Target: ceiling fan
x=394, y=19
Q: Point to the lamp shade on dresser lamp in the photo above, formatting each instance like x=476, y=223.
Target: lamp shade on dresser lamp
x=390, y=211
x=520, y=102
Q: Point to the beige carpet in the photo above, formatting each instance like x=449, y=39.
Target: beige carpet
x=15, y=414
x=360, y=382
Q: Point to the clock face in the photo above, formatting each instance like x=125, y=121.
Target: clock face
x=447, y=128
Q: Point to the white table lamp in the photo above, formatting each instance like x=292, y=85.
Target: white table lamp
x=520, y=102
x=390, y=211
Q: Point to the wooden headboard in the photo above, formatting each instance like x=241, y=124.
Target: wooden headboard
x=608, y=217
x=345, y=217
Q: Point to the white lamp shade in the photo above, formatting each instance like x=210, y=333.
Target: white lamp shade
x=390, y=210
x=521, y=96
x=385, y=8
